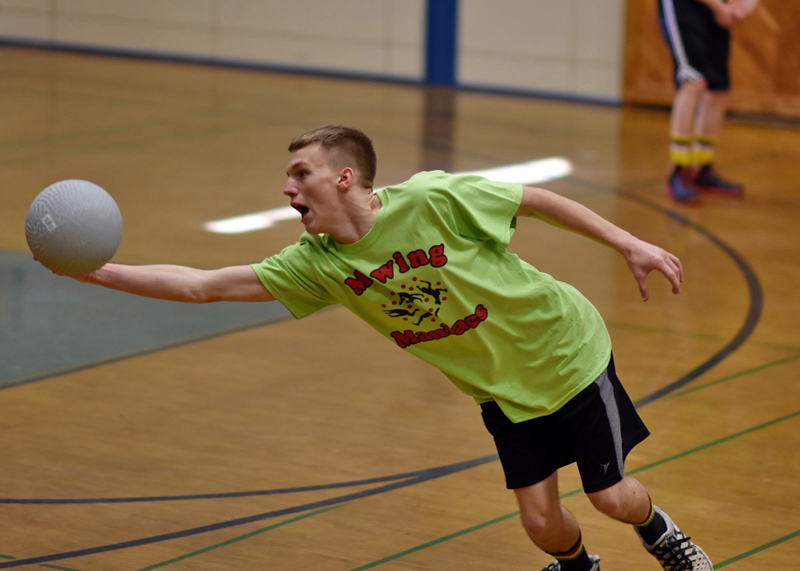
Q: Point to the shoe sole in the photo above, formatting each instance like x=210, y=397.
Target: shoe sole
x=703, y=553
x=720, y=191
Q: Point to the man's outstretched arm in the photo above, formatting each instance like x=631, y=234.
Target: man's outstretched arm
x=642, y=257
x=181, y=283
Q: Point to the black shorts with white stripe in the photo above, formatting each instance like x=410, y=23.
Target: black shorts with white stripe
x=700, y=47
x=597, y=429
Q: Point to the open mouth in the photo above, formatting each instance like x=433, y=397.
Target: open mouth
x=303, y=210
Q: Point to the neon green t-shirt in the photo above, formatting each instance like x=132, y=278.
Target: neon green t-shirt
x=434, y=276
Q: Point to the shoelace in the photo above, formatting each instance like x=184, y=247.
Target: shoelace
x=676, y=553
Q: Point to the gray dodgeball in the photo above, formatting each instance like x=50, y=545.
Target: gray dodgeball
x=73, y=227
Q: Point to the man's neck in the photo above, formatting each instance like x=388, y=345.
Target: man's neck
x=360, y=220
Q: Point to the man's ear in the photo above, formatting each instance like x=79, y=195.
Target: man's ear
x=346, y=178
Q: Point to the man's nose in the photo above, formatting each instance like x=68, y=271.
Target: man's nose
x=289, y=189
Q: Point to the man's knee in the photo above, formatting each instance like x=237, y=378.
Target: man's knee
x=609, y=502
x=626, y=501
x=695, y=86
x=535, y=524
x=541, y=525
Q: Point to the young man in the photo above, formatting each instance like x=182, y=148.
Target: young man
x=698, y=35
x=425, y=263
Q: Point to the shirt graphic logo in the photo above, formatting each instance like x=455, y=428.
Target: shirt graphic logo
x=434, y=257
x=406, y=314
x=418, y=301
x=434, y=292
x=409, y=337
x=421, y=293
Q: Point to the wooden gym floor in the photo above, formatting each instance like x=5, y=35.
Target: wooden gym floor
x=140, y=435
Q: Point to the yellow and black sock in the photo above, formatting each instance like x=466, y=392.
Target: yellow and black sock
x=575, y=558
x=703, y=150
x=680, y=150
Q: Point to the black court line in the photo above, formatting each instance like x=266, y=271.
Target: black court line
x=415, y=478
x=753, y=316
x=278, y=491
x=576, y=491
x=755, y=292
x=754, y=311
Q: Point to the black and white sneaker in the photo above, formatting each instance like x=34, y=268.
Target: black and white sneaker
x=675, y=551
x=556, y=566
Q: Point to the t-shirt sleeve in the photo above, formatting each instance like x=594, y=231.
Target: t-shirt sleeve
x=484, y=209
x=294, y=278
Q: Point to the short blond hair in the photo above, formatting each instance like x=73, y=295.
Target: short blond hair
x=345, y=143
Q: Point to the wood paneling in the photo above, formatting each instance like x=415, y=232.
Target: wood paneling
x=765, y=59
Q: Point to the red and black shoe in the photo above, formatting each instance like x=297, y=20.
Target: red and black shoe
x=707, y=180
x=680, y=185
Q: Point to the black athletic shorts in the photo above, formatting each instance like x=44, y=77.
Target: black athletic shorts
x=597, y=429
x=700, y=47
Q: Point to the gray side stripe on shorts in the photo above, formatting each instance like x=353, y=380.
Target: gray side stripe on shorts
x=607, y=394
x=685, y=69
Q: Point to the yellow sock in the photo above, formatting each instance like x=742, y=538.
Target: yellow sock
x=703, y=151
x=680, y=150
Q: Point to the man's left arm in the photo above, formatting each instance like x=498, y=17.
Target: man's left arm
x=642, y=257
